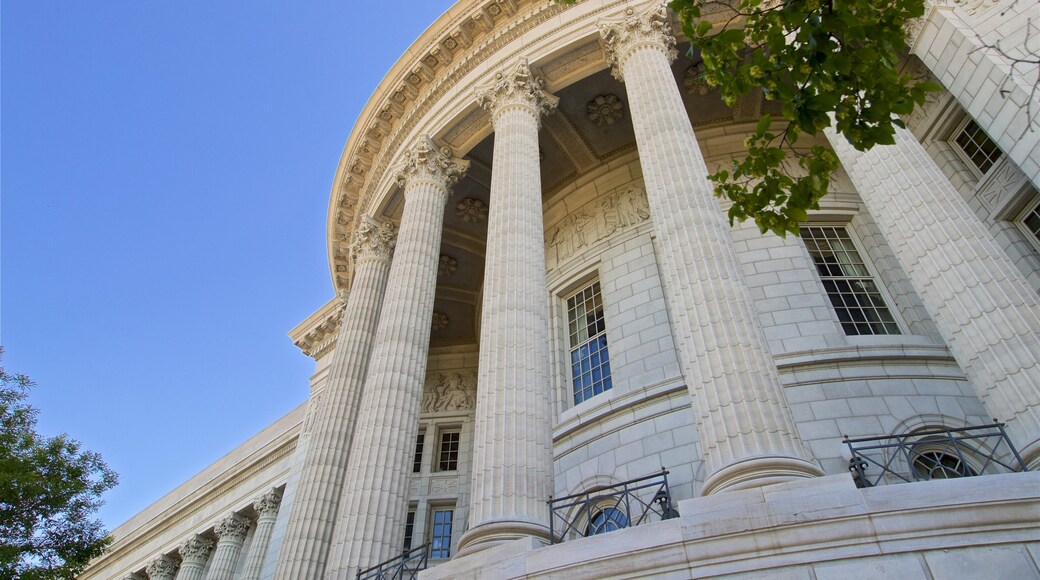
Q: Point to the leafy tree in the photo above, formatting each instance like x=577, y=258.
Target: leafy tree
x=822, y=60
x=49, y=489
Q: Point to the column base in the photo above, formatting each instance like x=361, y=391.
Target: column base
x=759, y=471
x=496, y=533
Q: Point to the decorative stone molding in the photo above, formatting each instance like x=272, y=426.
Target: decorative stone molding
x=319, y=338
x=1002, y=186
x=471, y=210
x=267, y=504
x=605, y=110
x=426, y=162
x=233, y=528
x=373, y=241
x=449, y=391
x=693, y=80
x=440, y=321
x=595, y=221
x=444, y=485
x=636, y=30
x=161, y=568
x=195, y=549
x=520, y=89
x=446, y=266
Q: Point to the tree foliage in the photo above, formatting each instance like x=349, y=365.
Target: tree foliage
x=49, y=491
x=820, y=60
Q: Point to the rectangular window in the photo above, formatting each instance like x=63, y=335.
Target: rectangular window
x=979, y=148
x=417, y=458
x=409, y=527
x=449, y=452
x=849, y=284
x=1031, y=222
x=440, y=538
x=590, y=361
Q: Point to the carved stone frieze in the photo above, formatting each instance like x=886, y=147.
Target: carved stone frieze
x=373, y=240
x=196, y=549
x=426, y=162
x=449, y=391
x=1001, y=186
x=440, y=321
x=519, y=89
x=162, y=568
x=232, y=528
x=605, y=110
x=446, y=266
x=444, y=485
x=636, y=30
x=471, y=210
x=595, y=221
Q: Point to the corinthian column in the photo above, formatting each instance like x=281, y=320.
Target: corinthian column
x=194, y=553
x=312, y=520
x=231, y=534
x=742, y=417
x=512, y=450
x=374, y=505
x=161, y=568
x=266, y=507
x=985, y=310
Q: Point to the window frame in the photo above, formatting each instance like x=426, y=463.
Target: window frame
x=432, y=534
x=1031, y=206
x=954, y=140
x=868, y=264
x=606, y=379
x=439, y=460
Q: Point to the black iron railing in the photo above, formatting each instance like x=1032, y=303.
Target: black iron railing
x=611, y=507
x=403, y=567
x=932, y=454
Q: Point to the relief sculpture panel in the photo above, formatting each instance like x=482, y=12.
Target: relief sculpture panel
x=449, y=391
x=595, y=221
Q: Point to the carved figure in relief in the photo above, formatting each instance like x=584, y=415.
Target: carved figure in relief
x=449, y=392
x=632, y=208
x=608, y=217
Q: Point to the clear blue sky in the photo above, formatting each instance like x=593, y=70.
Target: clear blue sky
x=165, y=175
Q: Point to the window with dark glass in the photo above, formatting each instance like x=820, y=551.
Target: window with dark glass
x=409, y=527
x=849, y=284
x=1031, y=221
x=440, y=537
x=979, y=148
x=417, y=458
x=607, y=520
x=590, y=361
x=449, y=452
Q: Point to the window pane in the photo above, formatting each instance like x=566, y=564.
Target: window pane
x=449, y=452
x=982, y=151
x=590, y=368
x=440, y=538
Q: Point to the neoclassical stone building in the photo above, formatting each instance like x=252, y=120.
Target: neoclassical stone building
x=538, y=297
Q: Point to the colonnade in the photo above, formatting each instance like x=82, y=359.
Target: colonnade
x=203, y=558
x=351, y=505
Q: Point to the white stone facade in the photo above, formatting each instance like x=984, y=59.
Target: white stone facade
x=534, y=281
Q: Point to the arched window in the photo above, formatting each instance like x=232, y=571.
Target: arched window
x=607, y=520
x=932, y=463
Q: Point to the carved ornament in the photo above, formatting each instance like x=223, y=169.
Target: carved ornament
x=693, y=80
x=471, y=210
x=373, y=240
x=427, y=163
x=440, y=321
x=605, y=110
x=267, y=504
x=518, y=90
x=595, y=221
x=232, y=528
x=196, y=549
x=161, y=568
x=449, y=391
x=636, y=30
x=446, y=266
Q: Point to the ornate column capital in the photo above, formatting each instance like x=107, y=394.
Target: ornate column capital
x=267, y=504
x=427, y=163
x=620, y=38
x=161, y=568
x=373, y=241
x=195, y=550
x=232, y=528
x=518, y=90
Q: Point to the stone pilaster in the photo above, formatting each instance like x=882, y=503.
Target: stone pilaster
x=985, y=311
x=745, y=425
x=231, y=534
x=370, y=524
x=162, y=568
x=194, y=554
x=312, y=519
x=512, y=458
x=266, y=507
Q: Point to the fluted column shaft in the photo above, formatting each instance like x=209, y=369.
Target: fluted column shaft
x=266, y=507
x=984, y=309
x=312, y=519
x=742, y=416
x=194, y=554
x=374, y=506
x=231, y=534
x=512, y=450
